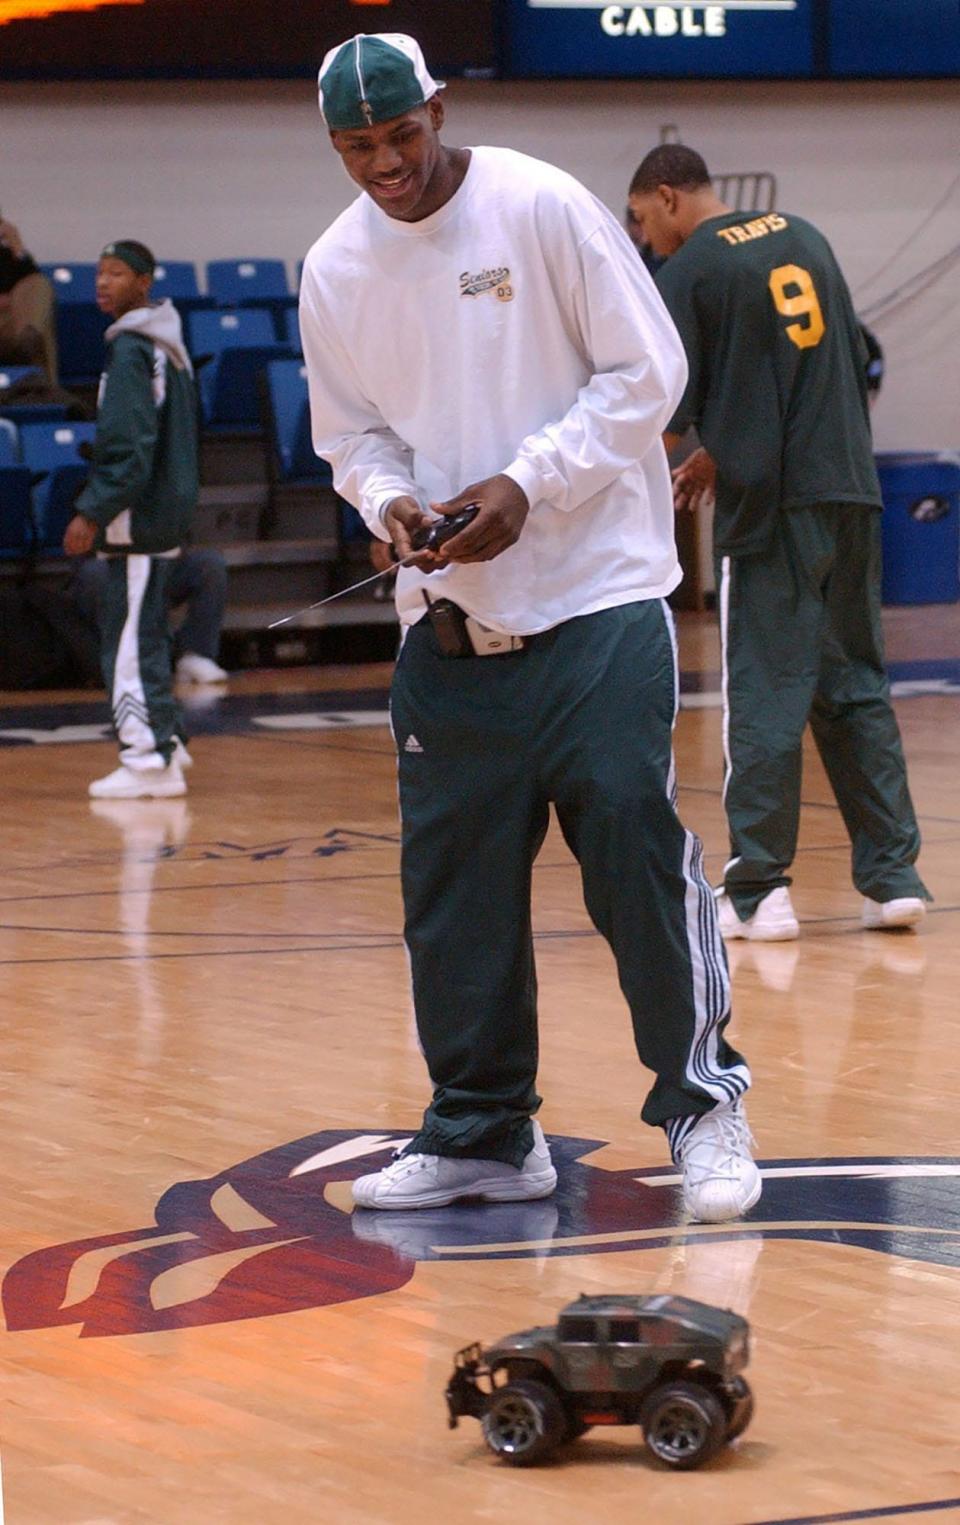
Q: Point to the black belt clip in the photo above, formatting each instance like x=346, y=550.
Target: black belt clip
x=460, y=635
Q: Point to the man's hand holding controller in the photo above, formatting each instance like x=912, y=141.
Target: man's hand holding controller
x=485, y=519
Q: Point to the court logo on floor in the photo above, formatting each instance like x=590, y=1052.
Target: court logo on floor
x=276, y=1233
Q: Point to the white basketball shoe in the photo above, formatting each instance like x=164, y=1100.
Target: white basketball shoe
x=193, y=668
x=906, y=911
x=436, y=1180
x=140, y=783
x=720, y=1178
x=774, y=920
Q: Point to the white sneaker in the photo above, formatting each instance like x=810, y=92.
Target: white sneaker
x=193, y=668
x=904, y=912
x=180, y=753
x=720, y=1179
x=435, y=1180
x=774, y=920
x=140, y=783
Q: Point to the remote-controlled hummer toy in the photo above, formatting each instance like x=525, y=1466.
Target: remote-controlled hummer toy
x=668, y=1364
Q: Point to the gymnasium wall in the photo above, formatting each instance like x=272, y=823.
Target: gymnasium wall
x=232, y=168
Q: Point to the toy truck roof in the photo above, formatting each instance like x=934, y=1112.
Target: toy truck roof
x=700, y=1318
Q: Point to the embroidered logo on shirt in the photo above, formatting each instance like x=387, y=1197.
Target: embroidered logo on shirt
x=412, y=745
x=497, y=281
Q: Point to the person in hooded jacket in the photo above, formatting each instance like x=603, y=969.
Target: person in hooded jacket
x=134, y=510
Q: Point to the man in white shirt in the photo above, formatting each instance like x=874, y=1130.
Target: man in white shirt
x=479, y=333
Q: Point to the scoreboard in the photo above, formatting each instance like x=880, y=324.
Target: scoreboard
x=739, y=39
x=515, y=39
x=895, y=39
x=734, y=39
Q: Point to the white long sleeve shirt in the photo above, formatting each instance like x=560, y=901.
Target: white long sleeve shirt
x=514, y=330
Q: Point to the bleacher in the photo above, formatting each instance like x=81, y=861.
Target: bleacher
x=265, y=499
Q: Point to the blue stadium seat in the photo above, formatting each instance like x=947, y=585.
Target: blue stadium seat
x=72, y=282
x=211, y=332
x=246, y=282
x=352, y=526
x=175, y=278
x=82, y=352
x=289, y=420
x=9, y=443
x=252, y=283
x=54, y=449
x=16, y=522
x=241, y=343
x=80, y=323
x=26, y=412
x=34, y=412
x=46, y=447
x=11, y=373
x=292, y=330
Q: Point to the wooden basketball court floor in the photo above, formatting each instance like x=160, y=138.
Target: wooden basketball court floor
x=206, y=1032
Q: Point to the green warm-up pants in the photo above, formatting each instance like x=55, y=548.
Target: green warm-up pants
x=801, y=640
x=135, y=657
x=582, y=718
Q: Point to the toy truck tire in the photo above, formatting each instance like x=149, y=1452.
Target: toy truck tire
x=683, y=1424
x=575, y=1426
x=743, y=1406
x=524, y=1422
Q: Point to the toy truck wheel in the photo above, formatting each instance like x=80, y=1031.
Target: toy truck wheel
x=575, y=1427
x=683, y=1424
x=742, y=1409
x=524, y=1422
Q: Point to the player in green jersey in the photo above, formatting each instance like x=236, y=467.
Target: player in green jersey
x=777, y=393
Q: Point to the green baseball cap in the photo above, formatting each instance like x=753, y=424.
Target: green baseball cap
x=374, y=77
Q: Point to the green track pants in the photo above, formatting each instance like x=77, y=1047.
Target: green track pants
x=135, y=657
x=801, y=640
x=582, y=719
